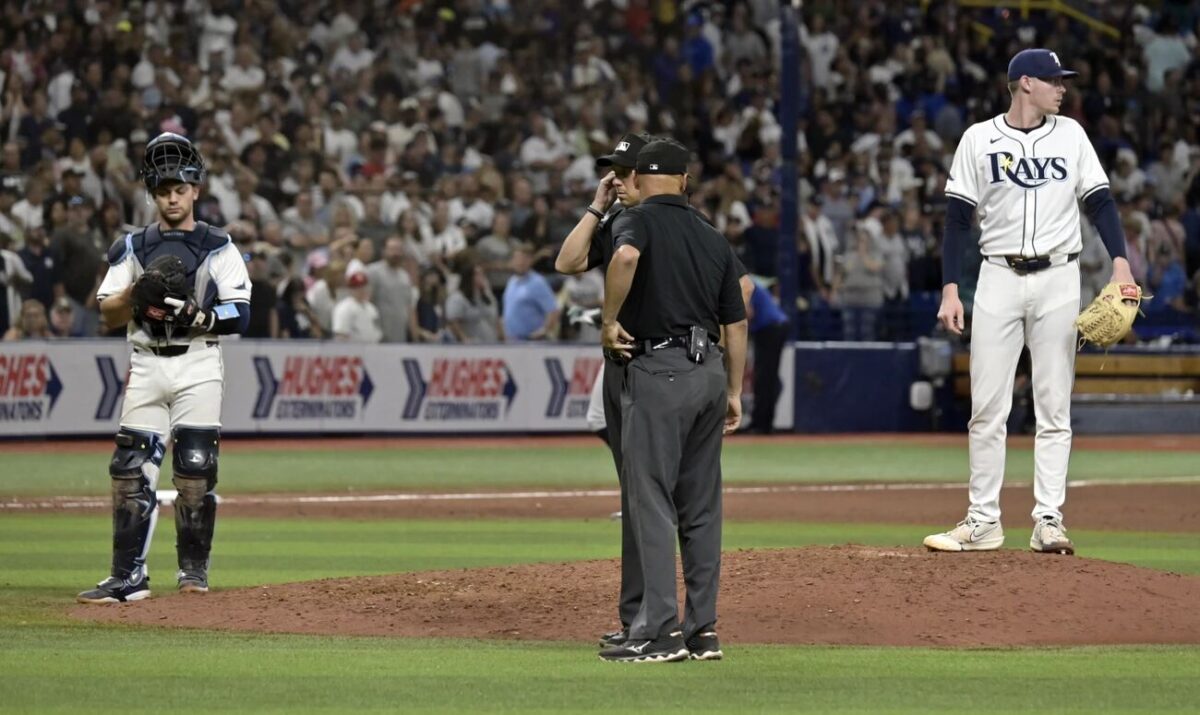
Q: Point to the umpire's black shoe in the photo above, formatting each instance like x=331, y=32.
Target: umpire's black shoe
x=118, y=590
x=664, y=649
x=705, y=646
x=608, y=640
x=193, y=582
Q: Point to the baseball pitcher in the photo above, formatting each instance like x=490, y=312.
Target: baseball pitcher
x=179, y=284
x=1023, y=173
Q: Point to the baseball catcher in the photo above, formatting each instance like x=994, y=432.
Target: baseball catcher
x=1109, y=318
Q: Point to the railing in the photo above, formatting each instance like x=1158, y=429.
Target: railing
x=1025, y=7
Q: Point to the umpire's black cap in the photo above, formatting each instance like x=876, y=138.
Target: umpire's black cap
x=625, y=154
x=663, y=156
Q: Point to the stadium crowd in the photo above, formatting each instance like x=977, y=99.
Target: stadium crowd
x=406, y=170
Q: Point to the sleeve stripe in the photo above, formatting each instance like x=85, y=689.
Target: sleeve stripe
x=969, y=200
x=1093, y=190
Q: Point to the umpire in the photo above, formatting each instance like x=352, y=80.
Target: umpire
x=671, y=286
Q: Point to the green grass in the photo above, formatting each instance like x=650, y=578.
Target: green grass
x=244, y=471
x=52, y=664
x=60, y=669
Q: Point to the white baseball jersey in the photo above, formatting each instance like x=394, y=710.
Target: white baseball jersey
x=214, y=263
x=1026, y=186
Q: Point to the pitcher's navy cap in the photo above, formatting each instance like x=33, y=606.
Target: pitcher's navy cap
x=1036, y=63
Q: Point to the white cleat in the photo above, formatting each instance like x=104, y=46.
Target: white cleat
x=1050, y=537
x=969, y=535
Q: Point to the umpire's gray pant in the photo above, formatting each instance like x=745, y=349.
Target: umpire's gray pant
x=631, y=563
x=673, y=412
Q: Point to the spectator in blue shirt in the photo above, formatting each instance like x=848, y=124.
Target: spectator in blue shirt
x=530, y=308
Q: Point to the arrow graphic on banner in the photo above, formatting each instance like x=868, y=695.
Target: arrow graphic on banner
x=112, y=387
x=365, y=389
x=559, y=387
x=54, y=387
x=267, y=387
x=416, y=388
x=510, y=389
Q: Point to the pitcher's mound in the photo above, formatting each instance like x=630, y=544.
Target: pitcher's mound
x=842, y=595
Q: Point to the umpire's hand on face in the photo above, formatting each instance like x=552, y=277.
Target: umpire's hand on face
x=614, y=338
x=950, y=315
x=605, y=193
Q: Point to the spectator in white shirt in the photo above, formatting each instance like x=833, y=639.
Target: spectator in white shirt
x=354, y=56
x=355, y=318
x=341, y=143
x=246, y=72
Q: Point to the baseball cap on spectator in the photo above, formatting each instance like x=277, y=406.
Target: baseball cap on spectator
x=139, y=136
x=1039, y=63
x=624, y=154
x=356, y=280
x=663, y=156
x=62, y=304
x=77, y=200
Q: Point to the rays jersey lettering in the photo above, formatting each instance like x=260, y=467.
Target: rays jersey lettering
x=214, y=266
x=1026, y=186
x=1032, y=173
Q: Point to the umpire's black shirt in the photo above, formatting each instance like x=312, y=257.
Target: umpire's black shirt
x=687, y=274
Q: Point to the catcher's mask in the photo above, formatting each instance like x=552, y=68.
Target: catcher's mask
x=170, y=157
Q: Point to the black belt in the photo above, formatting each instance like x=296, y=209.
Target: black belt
x=641, y=347
x=174, y=350
x=1032, y=264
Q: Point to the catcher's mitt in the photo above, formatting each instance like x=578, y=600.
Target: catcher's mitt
x=1110, y=316
x=165, y=277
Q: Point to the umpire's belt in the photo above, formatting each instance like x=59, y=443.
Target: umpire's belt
x=641, y=347
x=1032, y=264
x=174, y=350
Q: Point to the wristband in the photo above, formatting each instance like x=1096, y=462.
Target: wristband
x=599, y=216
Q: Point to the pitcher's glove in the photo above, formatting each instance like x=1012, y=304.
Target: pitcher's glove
x=1109, y=318
x=165, y=279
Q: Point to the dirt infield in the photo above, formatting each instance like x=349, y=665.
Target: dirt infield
x=1143, y=507
x=846, y=595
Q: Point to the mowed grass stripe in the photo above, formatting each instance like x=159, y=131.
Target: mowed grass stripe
x=346, y=470
x=65, y=669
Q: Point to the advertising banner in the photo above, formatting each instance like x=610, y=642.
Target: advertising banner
x=74, y=387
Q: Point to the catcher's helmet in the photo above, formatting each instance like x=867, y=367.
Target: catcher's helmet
x=171, y=157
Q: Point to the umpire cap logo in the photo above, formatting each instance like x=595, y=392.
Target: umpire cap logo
x=622, y=147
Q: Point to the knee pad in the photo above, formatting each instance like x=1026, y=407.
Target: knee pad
x=195, y=453
x=138, y=454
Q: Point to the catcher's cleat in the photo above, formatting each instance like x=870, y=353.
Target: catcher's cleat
x=1050, y=537
x=969, y=535
x=118, y=590
x=193, y=582
x=664, y=649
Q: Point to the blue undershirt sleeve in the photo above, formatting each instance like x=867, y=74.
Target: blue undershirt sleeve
x=1102, y=210
x=957, y=233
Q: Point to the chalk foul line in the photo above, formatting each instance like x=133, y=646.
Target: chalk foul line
x=167, y=496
